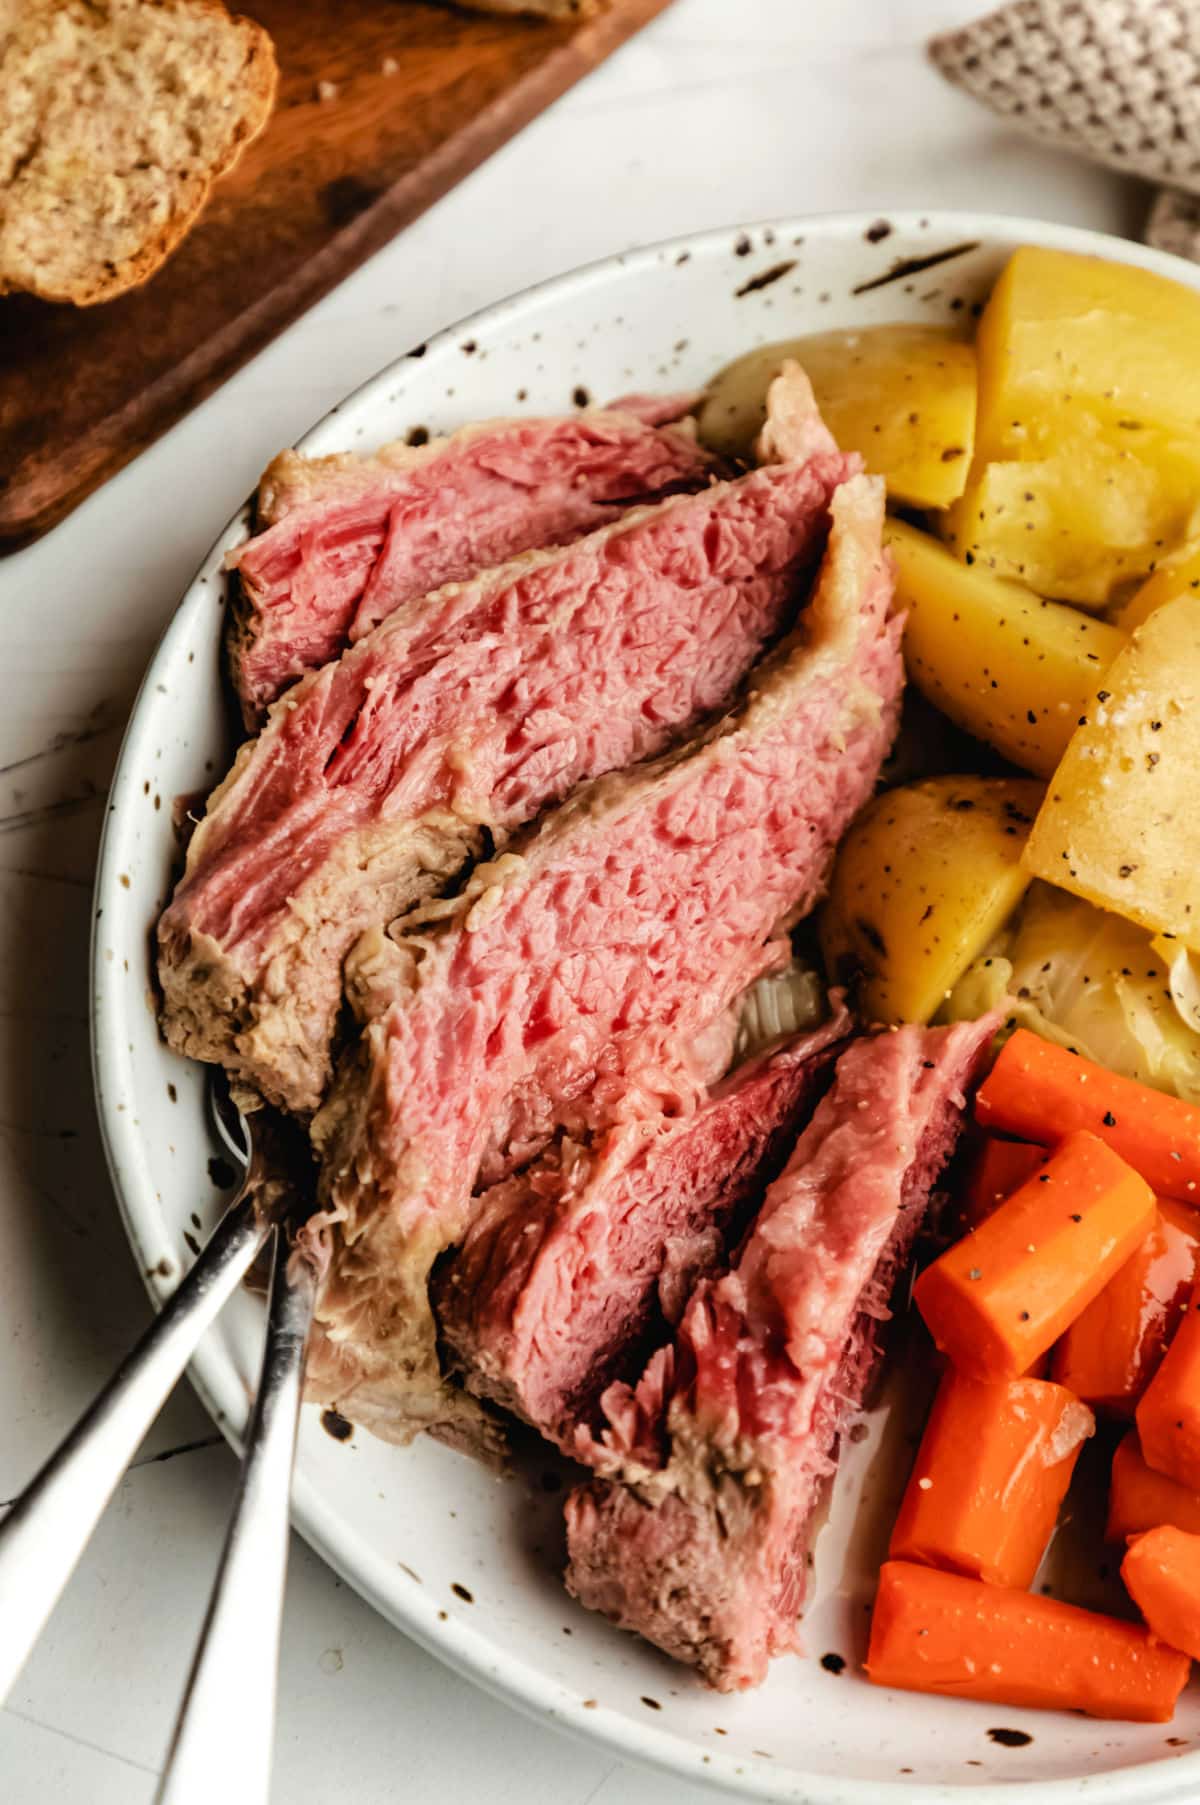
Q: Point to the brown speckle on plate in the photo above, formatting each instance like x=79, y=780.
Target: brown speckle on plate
x=462, y=1592
x=651, y=1704
x=914, y=266
x=335, y=1424
x=765, y=278
x=1010, y=1739
x=880, y=230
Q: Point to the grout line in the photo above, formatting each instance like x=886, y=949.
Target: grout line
x=148, y=1460
x=187, y=1447
x=82, y=1742
x=603, y=1781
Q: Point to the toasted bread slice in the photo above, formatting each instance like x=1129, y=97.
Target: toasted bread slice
x=116, y=117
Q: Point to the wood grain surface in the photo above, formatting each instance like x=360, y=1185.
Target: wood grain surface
x=383, y=105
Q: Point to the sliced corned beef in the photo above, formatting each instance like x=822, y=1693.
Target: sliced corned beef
x=700, y=1544
x=343, y=540
x=463, y=714
x=571, y=1265
x=558, y=990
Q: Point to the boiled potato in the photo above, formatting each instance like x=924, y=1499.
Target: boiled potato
x=1120, y=824
x=1087, y=451
x=925, y=877
x=1064, y=334
x=903, y=396
x=1084, y=522
x=1011, y=669
x=1178, y=574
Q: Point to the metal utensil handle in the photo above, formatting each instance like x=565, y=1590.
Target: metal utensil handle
x=222, y=1745
x=51, y=1522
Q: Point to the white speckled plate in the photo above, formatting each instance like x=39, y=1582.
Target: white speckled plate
x=463, y=1562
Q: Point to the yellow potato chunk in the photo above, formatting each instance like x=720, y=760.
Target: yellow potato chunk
x=1120, y=824
x=903, y=396
x=1084, y=522
x=1087, y=451
x=1062, y=332
x=1003, y=664
x=1178, y=574
x=925, y=877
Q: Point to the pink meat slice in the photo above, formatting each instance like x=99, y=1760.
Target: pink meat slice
x=562, y=985
x=570, y=1266
x=343, y=541
x=719, y=1453
x=463, y=715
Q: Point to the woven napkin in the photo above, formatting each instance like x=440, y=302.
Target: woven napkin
x=1114, y=80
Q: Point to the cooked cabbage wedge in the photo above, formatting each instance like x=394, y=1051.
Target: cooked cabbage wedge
x=1003, y=664
x=925, y=877
x=777, y=1006
x=903, y=396
x=1088, y=980
x=1120, y=824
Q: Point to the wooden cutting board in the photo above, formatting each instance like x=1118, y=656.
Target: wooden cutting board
x=383, y=105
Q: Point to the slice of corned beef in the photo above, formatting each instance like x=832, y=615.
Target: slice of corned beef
x=342, y=541
x=558, y=990
x=576, y=1264
x=723, y=1446
x=463, y=714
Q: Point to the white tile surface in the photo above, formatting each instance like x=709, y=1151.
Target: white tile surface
x=724, y=110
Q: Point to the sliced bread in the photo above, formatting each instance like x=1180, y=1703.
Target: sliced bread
x=116, y=117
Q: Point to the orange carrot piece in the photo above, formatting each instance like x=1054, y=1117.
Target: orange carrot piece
x=1042, y=1092
x=1109, y=1354
x=1161, y=1571
x=1005, y=1293
x=938, y=1632
x=999, y=1169
x=1140, y=1499
x=1168, y=1415
x=990, y=1474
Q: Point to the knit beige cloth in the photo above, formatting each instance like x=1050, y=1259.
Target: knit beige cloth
x=1114, y=80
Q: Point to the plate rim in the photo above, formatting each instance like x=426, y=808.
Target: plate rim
x=468, y=1651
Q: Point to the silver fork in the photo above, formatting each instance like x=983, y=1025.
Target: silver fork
x=221, y=1747
x=52, y=1521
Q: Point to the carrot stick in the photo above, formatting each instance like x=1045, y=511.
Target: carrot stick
x=1003, y=1294
x=1141, y=1499
x=1042, y=1092
x=999, y=1169
x=989, y=1476
x=1109, y=1354
x=1168, y=1416
x=1161, y=1571
x=938, y=1632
